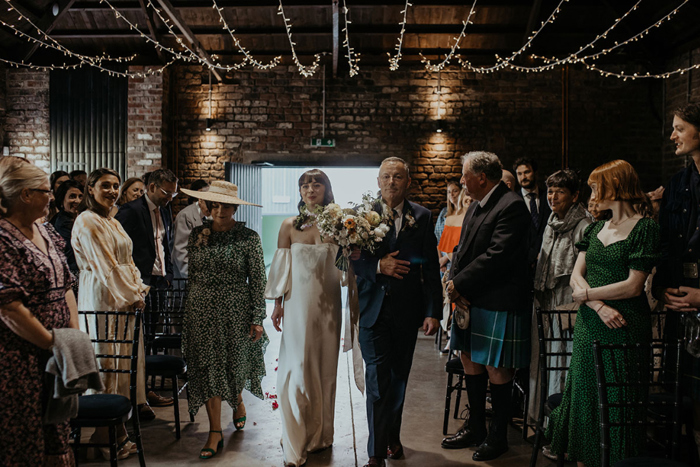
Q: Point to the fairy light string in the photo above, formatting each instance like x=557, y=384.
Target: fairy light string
x=305, y=71
x=453, y=49
x=394, y=61
x=353, y=58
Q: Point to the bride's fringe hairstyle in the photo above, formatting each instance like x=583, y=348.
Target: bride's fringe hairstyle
x=315, y=175
x=16, y=174
x=618, y=181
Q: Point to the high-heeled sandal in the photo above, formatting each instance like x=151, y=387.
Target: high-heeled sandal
x=128, y=445
x=239, y=423
x=219, y=446
x=92, y=452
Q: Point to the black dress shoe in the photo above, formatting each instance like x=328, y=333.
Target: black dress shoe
x=394, y=451
x=489, y=450
x=464, y=438
x=375, y=462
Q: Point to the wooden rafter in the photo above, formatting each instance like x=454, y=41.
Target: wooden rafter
x=150, y=22
x=48, y=21
x=189, y=36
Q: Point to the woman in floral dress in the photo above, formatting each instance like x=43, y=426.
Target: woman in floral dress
x=35, y=297
x=223, y=338
x=615, y=258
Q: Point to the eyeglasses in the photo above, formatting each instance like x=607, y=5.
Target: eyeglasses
x=48, y=192
x=170, y=194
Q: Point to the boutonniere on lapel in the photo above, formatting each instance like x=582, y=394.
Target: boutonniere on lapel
x=408, y=218
x=203, y=237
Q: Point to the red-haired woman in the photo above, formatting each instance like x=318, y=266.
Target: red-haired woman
x=615, y=258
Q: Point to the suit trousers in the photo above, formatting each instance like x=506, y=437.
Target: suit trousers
x=387, y=349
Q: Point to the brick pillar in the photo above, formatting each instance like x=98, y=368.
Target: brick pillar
x=145, y=126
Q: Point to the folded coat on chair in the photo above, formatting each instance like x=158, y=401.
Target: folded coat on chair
x=71, y=371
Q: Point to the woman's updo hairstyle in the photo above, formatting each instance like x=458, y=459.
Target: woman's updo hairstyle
x=16, y=174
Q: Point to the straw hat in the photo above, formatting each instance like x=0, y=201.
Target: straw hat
x=219, y=192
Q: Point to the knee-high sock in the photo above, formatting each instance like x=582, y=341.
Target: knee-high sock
x=476, y=392
x=501, y=395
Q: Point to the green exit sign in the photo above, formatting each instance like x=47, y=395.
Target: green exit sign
x=322, y=143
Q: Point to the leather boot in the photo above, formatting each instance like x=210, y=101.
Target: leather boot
x=496, y=442
x=473, y=432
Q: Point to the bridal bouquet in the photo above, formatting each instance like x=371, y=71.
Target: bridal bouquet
x=361, y=227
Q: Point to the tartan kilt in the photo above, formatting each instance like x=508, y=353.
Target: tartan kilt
x=495, y=338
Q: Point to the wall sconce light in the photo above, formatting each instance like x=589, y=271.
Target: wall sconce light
x=439, y=128
x=210, y=123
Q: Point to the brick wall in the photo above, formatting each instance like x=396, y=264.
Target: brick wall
x=3, y=104
x=27, y=115
x=272, y=115
x=680, y=90
x=145, y=123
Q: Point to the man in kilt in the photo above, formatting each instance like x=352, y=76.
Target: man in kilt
x=491, y=279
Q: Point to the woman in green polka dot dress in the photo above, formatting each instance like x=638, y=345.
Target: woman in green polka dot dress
x=223, y=338
x=615, y=258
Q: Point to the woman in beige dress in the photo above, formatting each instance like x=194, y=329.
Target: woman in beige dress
x=109, y=281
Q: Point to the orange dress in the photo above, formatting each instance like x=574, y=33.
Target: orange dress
x=450, y=238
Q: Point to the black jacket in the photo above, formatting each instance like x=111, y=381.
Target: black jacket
x=136, y=220
x=536, y=234
x=63, y=223
x=677, y=220
x=490, y=267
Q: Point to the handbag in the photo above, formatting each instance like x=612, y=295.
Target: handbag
x=461, y=317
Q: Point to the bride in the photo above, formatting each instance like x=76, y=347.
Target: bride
x=305, y=284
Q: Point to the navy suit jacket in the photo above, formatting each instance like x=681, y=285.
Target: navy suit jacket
x=536, y=234
x=136, y=220
x=419, y=294
x=490, y=267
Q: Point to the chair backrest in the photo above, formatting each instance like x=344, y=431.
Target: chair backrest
x=166, y=311
x=115, y=335
x=548, y=335
x=626, y=375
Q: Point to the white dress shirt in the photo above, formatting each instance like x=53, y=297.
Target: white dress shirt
x=526, y=197
x=158, y=267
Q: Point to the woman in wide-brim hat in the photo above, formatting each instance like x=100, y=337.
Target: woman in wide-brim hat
x=223, y=338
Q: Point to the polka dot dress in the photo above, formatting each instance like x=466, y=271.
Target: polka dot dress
x=574, y=427
x=225, y=296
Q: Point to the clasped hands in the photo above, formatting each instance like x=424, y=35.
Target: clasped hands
x=683, y=299
x=612, y=318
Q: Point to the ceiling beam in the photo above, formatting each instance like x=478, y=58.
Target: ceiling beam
x=25, y=10
x=150, y=22
x=187, y=33
x=309, y=30
x=134, y=5
x=48, y=21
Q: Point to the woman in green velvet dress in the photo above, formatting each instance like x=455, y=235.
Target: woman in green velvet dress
x=615, y=258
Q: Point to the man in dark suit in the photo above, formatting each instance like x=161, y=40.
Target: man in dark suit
x=148, y=221
x=491, y=278
x=399, y=291
x=536, y=202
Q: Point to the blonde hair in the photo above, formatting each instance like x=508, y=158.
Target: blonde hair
x=16, y=174
x=454, y=208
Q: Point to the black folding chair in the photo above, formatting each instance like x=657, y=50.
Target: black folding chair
x=550, y=362
x=454, y=368
x=111, y=328
x=626, y=375
x=165, y=315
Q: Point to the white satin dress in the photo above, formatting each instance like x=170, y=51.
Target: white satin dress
x=307, y=277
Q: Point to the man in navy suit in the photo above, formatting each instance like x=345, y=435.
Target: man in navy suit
x=399, y=291
x=148, y=221
x=535, y=201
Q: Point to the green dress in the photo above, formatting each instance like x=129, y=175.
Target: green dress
x=225, y=296
x=574, y=426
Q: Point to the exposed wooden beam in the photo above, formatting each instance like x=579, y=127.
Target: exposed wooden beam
x=378, y=29
x=48, y=22
x=30, y=13
x=134, y=5
x=187, y=33
x=336, y=37
x=532, y=20
x=150, y=22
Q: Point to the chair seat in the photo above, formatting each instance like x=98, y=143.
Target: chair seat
x=648, y=462
x=454, y=366
x=553, y=401
x=165, y=364
x=167, y=342
x=102, y=406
